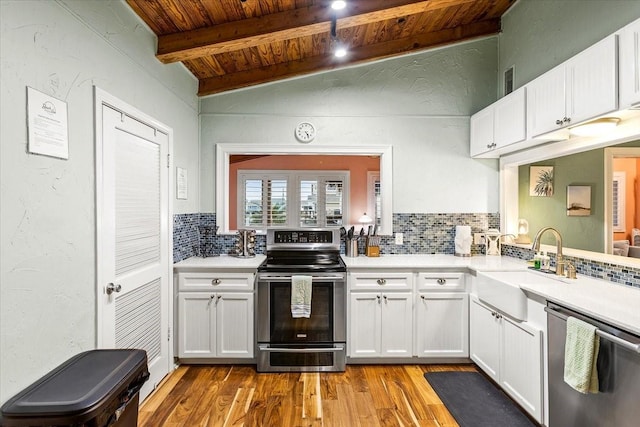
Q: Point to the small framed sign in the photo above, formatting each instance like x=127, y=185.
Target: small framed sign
x=47, y=124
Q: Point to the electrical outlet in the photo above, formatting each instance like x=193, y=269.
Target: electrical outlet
x=399, y=238
x=478, y=238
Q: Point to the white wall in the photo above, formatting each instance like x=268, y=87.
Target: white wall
x=47, y=266
x=537, y=35
x=420, y=104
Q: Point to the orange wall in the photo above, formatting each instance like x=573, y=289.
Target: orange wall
x=630, y=166
x=358, y=166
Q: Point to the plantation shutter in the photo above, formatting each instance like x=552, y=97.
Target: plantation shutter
x=264, y=202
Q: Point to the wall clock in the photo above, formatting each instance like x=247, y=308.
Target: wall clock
x=305, y=132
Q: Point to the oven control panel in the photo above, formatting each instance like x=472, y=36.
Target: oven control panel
x=302, y=236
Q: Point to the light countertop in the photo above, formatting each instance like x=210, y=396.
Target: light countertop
x=616, y=304
x=218, y=262
x=438, y=261
x=613, y=303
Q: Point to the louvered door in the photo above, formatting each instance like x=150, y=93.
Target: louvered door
x=133, y=255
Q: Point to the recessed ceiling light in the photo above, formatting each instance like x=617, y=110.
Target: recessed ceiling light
x=595, y=127
x=338, y=4
x=340, y=52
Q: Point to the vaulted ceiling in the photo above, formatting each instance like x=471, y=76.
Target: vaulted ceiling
x=230, y=44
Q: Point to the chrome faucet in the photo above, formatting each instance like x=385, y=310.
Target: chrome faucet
x=559, y=258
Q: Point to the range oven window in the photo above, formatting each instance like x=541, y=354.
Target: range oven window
x=316, y=329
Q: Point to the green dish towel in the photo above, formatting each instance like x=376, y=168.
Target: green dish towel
x=301, y=287
x=580, y=356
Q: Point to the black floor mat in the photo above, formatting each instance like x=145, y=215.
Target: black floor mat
x=475, y=402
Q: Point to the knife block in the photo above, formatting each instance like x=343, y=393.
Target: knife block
x=372, y=247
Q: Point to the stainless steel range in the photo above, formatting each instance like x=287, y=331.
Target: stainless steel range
x=287, y=343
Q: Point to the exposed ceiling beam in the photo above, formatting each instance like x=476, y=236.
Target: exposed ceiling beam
x=285, y=25
x=387, y=49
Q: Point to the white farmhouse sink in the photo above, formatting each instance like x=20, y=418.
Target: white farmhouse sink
x=501, y=289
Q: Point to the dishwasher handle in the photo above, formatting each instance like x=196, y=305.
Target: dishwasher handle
x=621, y=342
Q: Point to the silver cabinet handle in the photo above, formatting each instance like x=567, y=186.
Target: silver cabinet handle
x=442, y=281
x=215, y=282
x=385, y=298
x=381, y=281
x=378, y=298
x=423, y=297
x=111, y=288
x=559, y=122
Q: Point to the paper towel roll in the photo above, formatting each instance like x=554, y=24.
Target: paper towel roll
x=463, y=240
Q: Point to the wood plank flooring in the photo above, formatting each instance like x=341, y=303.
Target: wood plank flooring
x=363, y=395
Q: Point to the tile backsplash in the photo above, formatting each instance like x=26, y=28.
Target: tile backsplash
x=194, y=235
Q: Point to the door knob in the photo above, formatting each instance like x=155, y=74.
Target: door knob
x=111, y=288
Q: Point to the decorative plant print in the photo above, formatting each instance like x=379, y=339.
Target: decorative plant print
x=541, y=181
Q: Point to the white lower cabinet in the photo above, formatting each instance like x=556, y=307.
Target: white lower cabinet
x=215, y=315
x=511, y=353
x=442, y=324
x=215, y=324
x=380, y=324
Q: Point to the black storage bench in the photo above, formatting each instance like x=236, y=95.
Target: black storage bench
x=96, y=388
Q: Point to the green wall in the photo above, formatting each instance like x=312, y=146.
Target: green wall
x=585, y=232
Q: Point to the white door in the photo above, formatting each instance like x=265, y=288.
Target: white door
x=485, y=339
x=197, y=319
x=234, y=324
x=364, y=326
x=396, y=331
x=442, y=322
x=133, y=264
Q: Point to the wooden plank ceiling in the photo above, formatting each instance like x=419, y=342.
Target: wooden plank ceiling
x=230, y=44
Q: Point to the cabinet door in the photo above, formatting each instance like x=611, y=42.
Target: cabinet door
x=234, y=324
x=546, y=102
x=485, y=339
x=592, y=78
x=521, y=368
x=510, y=122
x=629, y=63
x=442, y=324
x=196, y=324
x=481, y=132
x=364, y=324
x=397, y=324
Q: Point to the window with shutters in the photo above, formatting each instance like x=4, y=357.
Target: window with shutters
x=618, y=192
x=292, y=198
x=374, y=200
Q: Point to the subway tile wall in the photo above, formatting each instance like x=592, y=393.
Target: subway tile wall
x=195, y=235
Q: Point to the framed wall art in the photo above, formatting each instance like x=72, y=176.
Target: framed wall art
x=541, y=181
x=578, y=200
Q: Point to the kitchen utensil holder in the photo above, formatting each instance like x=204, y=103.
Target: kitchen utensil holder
x=246, y=243
x=351, y=247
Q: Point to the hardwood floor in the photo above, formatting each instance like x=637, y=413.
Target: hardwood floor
x=364, y=395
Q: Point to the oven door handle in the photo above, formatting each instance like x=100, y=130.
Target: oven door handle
x=313, y=278
x=265, y=347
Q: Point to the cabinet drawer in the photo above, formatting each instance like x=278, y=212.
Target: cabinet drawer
x=379, y=281
x=212, y=281
x=441, y=281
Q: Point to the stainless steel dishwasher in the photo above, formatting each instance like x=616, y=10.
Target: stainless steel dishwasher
x=618, y=402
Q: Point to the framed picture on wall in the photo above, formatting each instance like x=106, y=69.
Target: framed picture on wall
x=541, y=181
x=578, y=200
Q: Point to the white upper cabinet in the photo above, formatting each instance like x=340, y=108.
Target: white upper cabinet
x=582, y=88
x=500, y=125
x=629, y=63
